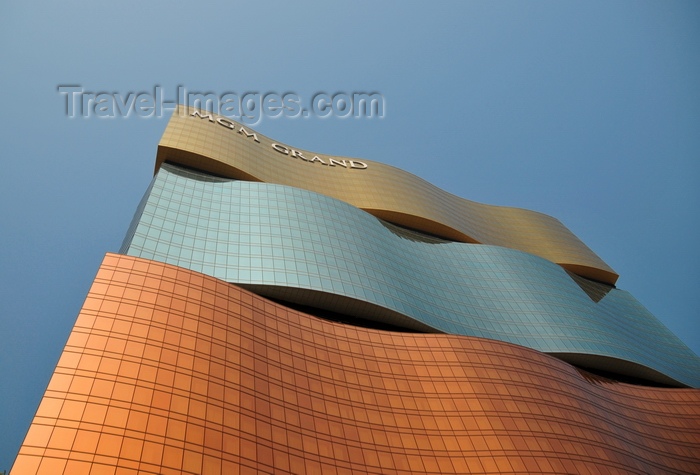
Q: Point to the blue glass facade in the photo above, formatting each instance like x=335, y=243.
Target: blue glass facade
x=285, y=241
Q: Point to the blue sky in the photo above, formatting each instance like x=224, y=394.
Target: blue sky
x=587, y=111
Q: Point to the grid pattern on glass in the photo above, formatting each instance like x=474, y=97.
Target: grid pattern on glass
x=168, y=371
x=385, y=191
x=280, y=237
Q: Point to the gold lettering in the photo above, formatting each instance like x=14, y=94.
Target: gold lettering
x=297, y=154
x=357, y=164
x=280, y=148
x=252, y=134
x=196, y=113
x=226, y=123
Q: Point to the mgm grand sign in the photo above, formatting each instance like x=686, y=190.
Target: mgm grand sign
x=283, y=149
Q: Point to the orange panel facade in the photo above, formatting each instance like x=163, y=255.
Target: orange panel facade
x=169, y=371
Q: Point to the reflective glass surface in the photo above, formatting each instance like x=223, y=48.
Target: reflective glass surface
x=287, y=242
x=168, y=371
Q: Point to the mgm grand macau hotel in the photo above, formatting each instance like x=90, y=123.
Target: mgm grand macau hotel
x=275, y=310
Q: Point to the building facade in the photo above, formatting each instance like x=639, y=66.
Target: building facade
x=274, y=310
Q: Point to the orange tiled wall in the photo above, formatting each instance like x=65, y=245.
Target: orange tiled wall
x=170, y=371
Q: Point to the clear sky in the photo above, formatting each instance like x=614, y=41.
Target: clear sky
x=586, y=111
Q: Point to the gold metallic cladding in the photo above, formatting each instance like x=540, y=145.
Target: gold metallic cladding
x=382, y=190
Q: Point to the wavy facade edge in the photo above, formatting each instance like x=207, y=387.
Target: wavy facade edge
x=221, y=146
x=302, y=247
x=169, y=371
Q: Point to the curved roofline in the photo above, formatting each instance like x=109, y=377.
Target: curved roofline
x=221, y=146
